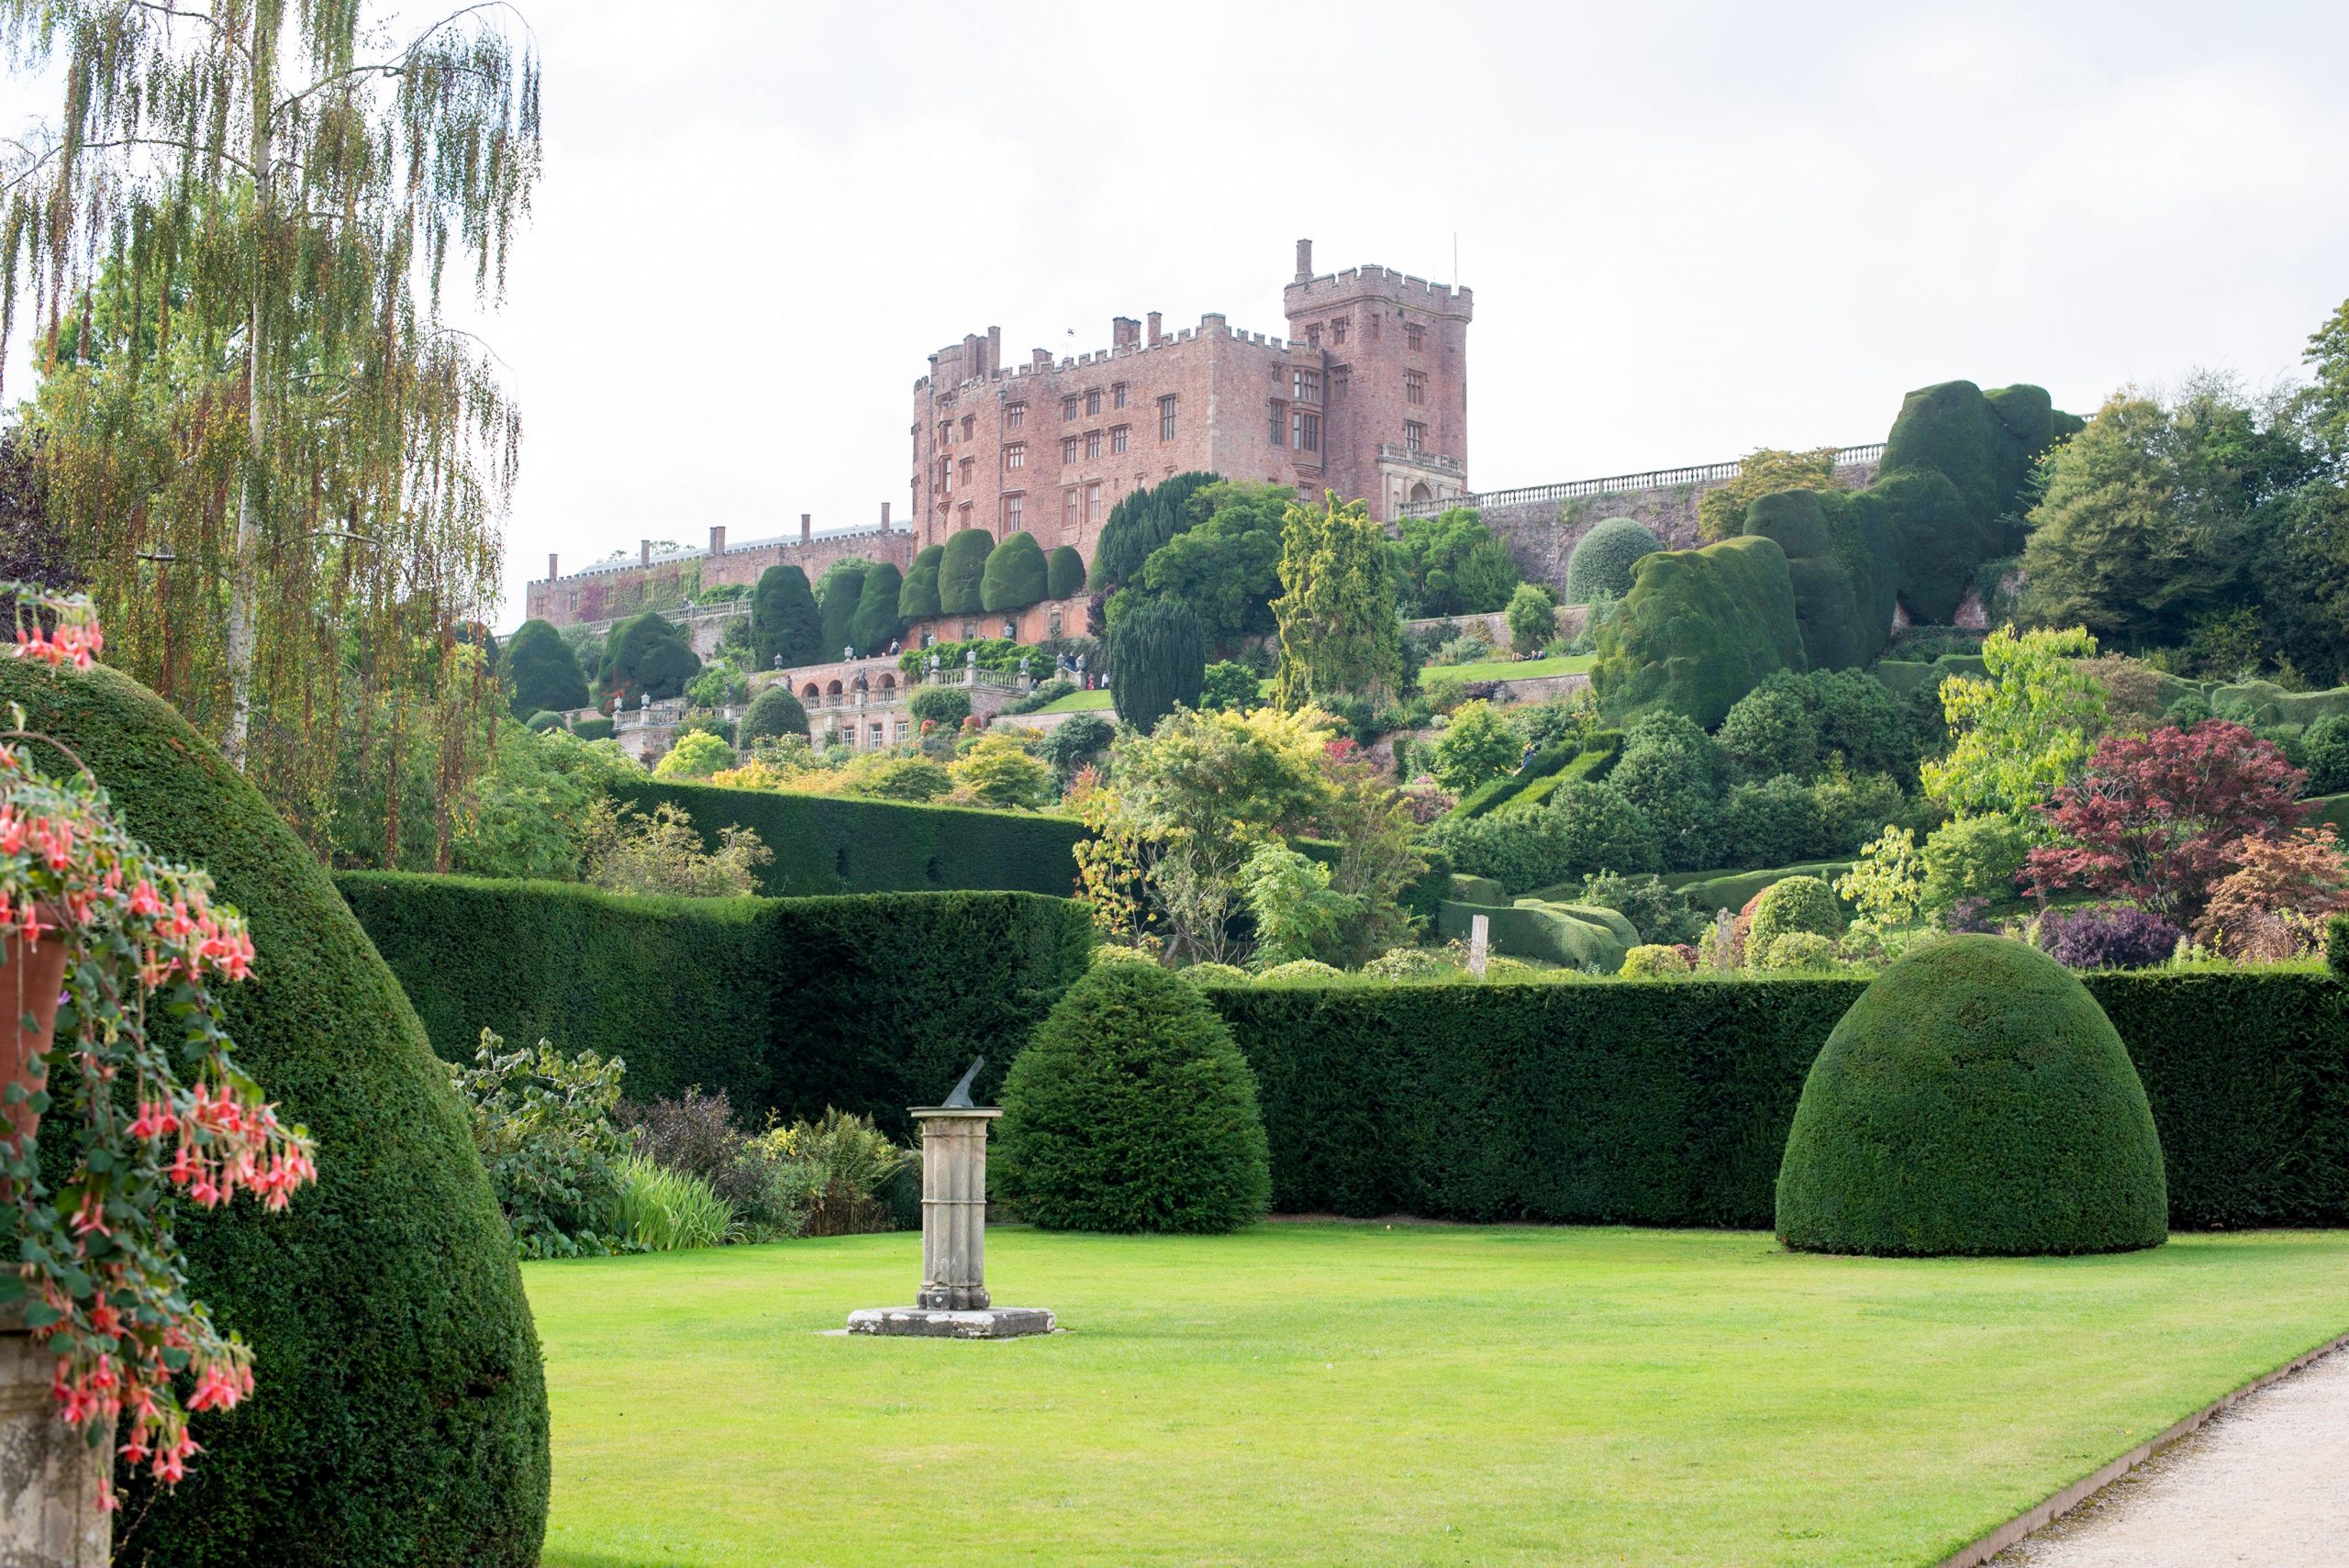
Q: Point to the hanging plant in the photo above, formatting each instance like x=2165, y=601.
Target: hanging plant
x=114, y=1048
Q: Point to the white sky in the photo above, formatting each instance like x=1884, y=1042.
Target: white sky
x=1691, y=229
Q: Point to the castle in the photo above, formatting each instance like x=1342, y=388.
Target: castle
x=1366, y=397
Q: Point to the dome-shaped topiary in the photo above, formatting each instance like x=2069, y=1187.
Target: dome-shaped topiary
x=1974, y=1100
x=1794, y=903
x=775, y=711
x=1602, y=558
x=400, y=1415
x=1131, y=1110
x=1797, y=950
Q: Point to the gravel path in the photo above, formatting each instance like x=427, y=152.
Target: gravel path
x=2264, y=1486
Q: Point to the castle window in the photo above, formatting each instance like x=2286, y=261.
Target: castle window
x=1166, y=418
x=1307, y=427
x=1092, y=443
x=1014, y=416
x=1341, y=377
x=946, y=473
x=1313, y=336
x=945, y=432
x=1013, y=505
x=1308, y=386
x=1068, y=512
x=1415, y=436
x=1118, y=434
x=1338, y=332
x=962, y=516
x=1068, y=448
x=1068, y=408
x=1414, y=335
x=1092, y=401
x=1415, y=388
x=1117, y=395
x=1016, y=455
x=970, y=426
x=1279, y=426
x=1092, y=503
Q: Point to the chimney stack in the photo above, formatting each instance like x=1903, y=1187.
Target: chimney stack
x=1040, y=359
x=552, y=572
x=1125, y=332
x=994, y=350
x=644, y=552
x=807, y=528
x=1154, y=333
x=718, y=540
x=1305, y=261
x=885, y=516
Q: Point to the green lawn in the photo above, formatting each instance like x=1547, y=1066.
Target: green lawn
x=1510, y=669
x=1095, y=701
x=1334, y=1394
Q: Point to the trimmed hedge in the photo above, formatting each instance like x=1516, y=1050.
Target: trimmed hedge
x=1572, y=937
x=1977, y=1102
x=1668, y=1102
x=400, y=1417
x=1699, y=630
x=1602, y=558
x=870, y=1004
x=826, y=845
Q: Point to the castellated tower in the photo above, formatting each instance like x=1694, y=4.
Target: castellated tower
x=1395, y=366
x=1366, y=397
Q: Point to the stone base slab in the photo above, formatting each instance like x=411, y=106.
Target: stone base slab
x=984, y=1323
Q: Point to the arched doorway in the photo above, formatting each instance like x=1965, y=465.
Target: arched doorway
x=1419, y=492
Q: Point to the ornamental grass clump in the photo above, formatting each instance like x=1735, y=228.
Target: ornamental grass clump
x=109, y=957
x=1974, y=1101
x=1132, y=1110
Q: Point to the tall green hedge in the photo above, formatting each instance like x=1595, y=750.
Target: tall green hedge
x=838, y=844
x=400, y=1417
x=918, y=595
x=1668, y=1102
x=870, y=1003
x=1699, y=630
x=1064, y=572
x=959, y=568
x=1845, y=564
x=1014, y=575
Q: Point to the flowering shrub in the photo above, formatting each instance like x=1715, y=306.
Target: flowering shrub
x=138, y=1085
x=2110, y=937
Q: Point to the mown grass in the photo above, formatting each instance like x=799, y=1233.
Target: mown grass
x=1345, y=1393
x=1511, y=669
x=1094, y=701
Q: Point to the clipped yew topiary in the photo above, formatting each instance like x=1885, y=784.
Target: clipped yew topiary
x=1014, y=575
x=775, y=711
x=400, y=1415
x=961, y=565
x=1974, y=1101
x=1065, y=573
x=1132, y=1110
x=1793, y=904
x=1603, y=559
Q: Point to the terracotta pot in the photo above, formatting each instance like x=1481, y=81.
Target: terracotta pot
x=30, y=980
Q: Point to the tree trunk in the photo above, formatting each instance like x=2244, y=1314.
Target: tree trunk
x=244, y=577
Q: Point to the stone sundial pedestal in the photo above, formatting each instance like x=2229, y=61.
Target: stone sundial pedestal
x=953, y=1303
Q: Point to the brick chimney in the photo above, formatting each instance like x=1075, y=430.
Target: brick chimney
x=717, y=538
x=644, y=552
x=884, y=516
x=1040, y=359
x=552, y=572
x=1154, y=333
x=994, y=350
x=807, y=528
x=1305, y=261
x=1125, y=332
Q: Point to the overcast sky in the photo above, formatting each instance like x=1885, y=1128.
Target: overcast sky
x=1692, y=229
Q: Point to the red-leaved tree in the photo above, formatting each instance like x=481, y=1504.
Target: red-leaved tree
x=2158, y=818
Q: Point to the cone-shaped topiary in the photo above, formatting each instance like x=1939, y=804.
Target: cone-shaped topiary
x=1065, y=573
x=876, y=623
x=919, y=595
x=1131, y=1110
x=400, y=1415
x=959, y=568
x=1603, y=559
x=783, y=622
x=1014, y=575
x=1974, y=1100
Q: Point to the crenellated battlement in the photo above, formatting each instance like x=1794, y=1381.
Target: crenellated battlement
x=1378, y=282
x=1040, y=362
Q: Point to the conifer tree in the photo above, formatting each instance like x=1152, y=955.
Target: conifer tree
x=1065, y=574
x=960, y=571
x=1158, y=661
x=278, y=461
x=836, y=598
x=1340, y=634
x=541, y=671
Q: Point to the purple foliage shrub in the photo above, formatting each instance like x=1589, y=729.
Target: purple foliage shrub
x=2116, y=935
